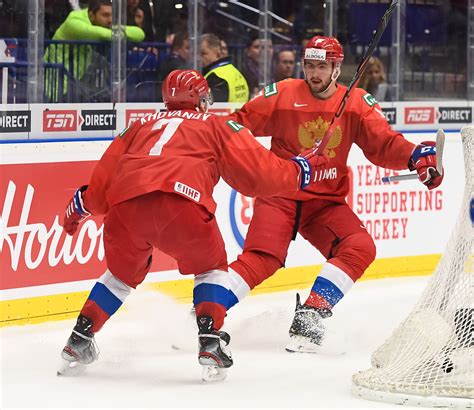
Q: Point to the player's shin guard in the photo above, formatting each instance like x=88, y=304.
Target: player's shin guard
x=210, y=296
x=106, y=297
x=329, y=287
x=216, y=291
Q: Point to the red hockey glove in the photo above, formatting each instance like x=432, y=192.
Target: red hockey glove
x=75, y=212
x=308, y=162
x=423, y=160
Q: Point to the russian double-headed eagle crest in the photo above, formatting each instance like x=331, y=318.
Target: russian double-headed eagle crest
x=310, y=134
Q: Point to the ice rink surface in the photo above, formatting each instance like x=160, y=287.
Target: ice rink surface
x=138, y=367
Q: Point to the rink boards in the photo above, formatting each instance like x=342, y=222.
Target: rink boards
x=47, y=276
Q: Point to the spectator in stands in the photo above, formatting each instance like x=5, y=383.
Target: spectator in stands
x=284, y=65
x=250, y=71
x=90, y=24
x=224, y=48
x=139, y=17
x=147, y=24
x=179, y=57
x=177, y=60
x=135, y=15
x=374, y=80
x=225, y=81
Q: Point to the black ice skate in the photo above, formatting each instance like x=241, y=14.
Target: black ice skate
x=213, y=354
x=307, y=330
x=80, y=350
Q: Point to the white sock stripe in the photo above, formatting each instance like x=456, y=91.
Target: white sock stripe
x=215, y=277
x=115, y=285
x=237, y=285
x=337, y=276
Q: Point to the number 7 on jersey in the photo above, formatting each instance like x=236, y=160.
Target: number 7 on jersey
x=170, y=127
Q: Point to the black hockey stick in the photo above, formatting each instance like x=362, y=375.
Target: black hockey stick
x=360, y=70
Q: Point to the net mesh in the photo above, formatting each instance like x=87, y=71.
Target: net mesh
x=432, y=352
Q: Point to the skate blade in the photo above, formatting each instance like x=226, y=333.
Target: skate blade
x=302, y=345
x=213, y=373
x=67, y=368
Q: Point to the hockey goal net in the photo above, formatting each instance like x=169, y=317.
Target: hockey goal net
x=429, y=358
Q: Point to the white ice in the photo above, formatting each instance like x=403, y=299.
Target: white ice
x=138, y=367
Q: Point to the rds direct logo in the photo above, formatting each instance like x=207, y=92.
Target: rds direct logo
x=240, y=215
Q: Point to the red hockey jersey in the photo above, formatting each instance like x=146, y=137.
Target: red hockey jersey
x=186, y=152
x=288, y=112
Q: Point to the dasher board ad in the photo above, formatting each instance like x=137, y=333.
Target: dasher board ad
x=72, y=121
x=37, y=181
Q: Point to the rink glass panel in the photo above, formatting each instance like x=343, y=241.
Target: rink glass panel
x=434, y=59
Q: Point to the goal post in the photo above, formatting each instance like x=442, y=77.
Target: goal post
x=429, y=358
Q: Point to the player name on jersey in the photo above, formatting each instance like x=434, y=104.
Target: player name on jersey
x=190, y=115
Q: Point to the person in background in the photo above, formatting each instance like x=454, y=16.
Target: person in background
x=374, y=80
x=139, y=17
x=147, y=24
x=179, y=57
x=224, y=48
x=226, y=82
x=135, y=15
x=91, y=24
x=177, y=60
x=154, y=184
x=284, y=65
x=253, y=55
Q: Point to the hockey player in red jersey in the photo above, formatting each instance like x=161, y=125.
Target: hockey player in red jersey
x=296, y=113
x=154, y=183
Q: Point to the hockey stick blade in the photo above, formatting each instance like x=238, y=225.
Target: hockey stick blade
x=396, y=178
x=359, y=71
x=440, y=138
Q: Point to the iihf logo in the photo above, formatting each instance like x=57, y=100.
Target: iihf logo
x=240, y=215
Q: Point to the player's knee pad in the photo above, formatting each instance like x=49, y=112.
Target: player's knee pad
x=254, y=267
x=354, y=254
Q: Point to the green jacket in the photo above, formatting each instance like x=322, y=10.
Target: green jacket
x=226, y=81
x=78, y=27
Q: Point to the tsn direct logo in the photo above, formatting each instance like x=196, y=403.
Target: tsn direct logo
x=59, y=120
x=240, y=215
x=419, y=115
x=133, y=115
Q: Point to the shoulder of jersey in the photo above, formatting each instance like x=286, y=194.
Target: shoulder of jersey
x=229, y=125
x=365, y=100
x=276, y=88
x=132, y=126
